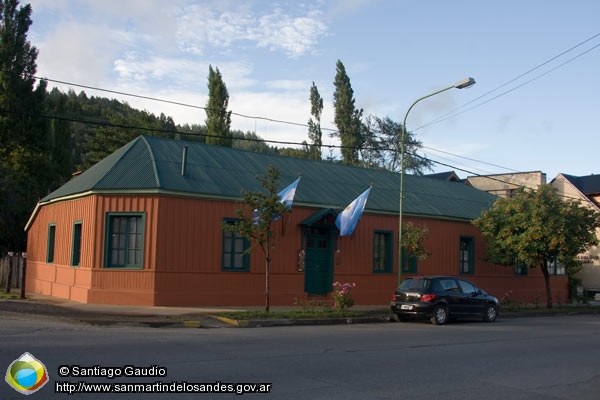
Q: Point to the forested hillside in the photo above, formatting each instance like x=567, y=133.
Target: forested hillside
x=94, y=127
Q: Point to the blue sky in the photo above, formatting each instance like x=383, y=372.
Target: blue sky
x=394, y=52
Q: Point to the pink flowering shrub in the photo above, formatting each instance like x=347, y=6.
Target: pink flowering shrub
x=506, y=297
x=341, y=295
x=508, y=303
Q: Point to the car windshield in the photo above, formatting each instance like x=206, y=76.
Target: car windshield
x=415, y=284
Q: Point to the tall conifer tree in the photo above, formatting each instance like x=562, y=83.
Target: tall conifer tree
x=218, y=119
x=25, y=173
x=347, y=117
x=314, y=127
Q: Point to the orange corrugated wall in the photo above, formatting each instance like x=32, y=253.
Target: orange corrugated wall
x=182, y=257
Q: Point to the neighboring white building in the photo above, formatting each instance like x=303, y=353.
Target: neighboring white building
x=504, y=185
x=586, y=189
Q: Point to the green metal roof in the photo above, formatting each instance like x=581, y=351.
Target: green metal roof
x=153, y=165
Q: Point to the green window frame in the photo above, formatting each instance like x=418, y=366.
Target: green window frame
x=124, y=243
x=76, y=244
x=556, y=268
x=467, y=255
x=521, y=269
x=383, y=252
x=410, y=265
x=235, y=256
x=51, y=243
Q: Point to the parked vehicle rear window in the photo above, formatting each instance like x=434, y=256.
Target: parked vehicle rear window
x=415, y=284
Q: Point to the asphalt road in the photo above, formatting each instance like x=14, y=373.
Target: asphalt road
x=514, y=358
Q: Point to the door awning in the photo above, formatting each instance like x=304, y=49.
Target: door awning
x=324, y=216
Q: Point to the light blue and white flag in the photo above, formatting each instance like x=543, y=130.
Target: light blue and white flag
x=286, y=196
x=346, y=220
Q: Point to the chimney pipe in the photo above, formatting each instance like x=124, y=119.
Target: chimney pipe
x=184, y=160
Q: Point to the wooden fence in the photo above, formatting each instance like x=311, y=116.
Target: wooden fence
x=12, y=266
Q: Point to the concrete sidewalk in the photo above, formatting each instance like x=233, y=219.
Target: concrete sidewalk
x=47, y=307
x=42, y=306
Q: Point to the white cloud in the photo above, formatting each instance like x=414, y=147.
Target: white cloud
x=136, y=48
x=295, y=36
x=76, y=52
x=200, y=26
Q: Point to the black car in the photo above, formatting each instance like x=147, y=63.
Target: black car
x=441, y=298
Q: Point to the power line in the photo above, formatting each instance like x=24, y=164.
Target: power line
x=178, y=103
x=493, y=178
x=454, y=113
x=448, y=115
x=122, y=126
x=470, y=159
x=526, y=82
x=234, y=113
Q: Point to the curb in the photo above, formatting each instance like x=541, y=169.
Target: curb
x=233, y=322
x=263, y=323
x=44, y=310
x=512, y=314
x=192, y=324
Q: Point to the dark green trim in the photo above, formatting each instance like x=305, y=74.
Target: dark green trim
x=410, y=266
x=316, y=217
x=228, y=252
x=319, y=242
x=50, y=243
x=111, y=219
x=554, y=265
x=521, y=269
x=386, y=256
x=466, y=255
x=76, y=244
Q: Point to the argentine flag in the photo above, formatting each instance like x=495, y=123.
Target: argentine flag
x=346, y=220
x=286, y=196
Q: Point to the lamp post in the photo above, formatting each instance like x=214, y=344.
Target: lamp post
x=465, y=83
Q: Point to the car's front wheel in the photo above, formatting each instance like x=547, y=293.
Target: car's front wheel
x=491, y=313
x=440, y=315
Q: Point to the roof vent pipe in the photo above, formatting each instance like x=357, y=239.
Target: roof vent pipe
x=184, y=160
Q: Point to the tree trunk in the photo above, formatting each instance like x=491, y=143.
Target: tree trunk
x=267, y=264
x=23, y=277
x=10, y=272
x=544, y=267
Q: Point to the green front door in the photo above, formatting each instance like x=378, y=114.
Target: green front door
x=318, y=276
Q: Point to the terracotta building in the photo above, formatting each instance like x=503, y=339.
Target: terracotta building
x=144, y=226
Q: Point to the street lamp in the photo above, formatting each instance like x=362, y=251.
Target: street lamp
x=465, y=83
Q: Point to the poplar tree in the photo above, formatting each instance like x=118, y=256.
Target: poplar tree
x=314, y=127
x=218, y=119
x=347, y=117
